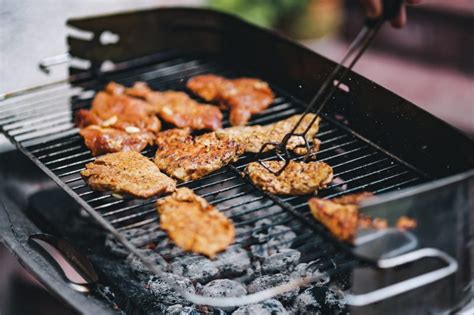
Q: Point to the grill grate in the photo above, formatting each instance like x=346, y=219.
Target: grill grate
x=42, y=127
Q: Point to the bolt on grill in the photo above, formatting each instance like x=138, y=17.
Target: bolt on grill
x=43, y=129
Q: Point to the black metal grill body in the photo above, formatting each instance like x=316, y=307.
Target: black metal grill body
x=372, y=138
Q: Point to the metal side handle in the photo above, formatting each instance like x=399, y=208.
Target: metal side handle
x=410, y=284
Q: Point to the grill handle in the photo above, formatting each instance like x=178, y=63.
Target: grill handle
x=410, y=284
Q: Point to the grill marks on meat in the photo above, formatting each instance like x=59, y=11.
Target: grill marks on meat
x=178, y=109
x=101, y=140
x=243, y=97
x=252, y=138
x=186, y=158
x=127, y=173
x=298, y=178
x=193, y=224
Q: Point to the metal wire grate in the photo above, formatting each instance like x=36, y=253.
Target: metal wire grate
x=42, y=126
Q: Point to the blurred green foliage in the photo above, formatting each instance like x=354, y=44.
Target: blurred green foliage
x=265, y=13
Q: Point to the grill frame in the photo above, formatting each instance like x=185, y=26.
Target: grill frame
x=82, y=79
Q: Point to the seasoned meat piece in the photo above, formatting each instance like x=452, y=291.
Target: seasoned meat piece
x=254, y=137
x=243, y=97
x=406, y=223
x=193, y=224
x=178, y=109
x=127, y=173
x=297, y=178
x=184, y=157
x=114, y=109
x=107, y=140
x=341, y=215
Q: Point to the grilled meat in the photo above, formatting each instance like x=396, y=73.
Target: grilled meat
x=193, y=224
x=102, y=140
x=254, y=137
x=297, y=178
x=406, y=223
x=184, y=157
x=341, y=215
x=127, y=173
x=178, y=109
x=243, y=97
x=112, y=108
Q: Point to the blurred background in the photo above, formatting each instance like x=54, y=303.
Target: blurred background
x=429, y=62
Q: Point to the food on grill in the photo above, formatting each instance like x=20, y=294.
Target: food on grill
x=341, y=216
x=243, y=97
x=254, y=137
x=298, y=178
x=184, y=157
x=193, y=224
x=112, y=108
x=127, y=173
x=406, y=223
x=101, y=140
x=178, y=109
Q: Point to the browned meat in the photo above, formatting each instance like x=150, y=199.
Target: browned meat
x=178, y=109
x=127, y=173
x=298, y=178
x=114, y=109
x=243, y=97
x=341, y=215
x=254, y=137
x=184, y=157
x=107, y=140
x=193, y=224
x=406, y=223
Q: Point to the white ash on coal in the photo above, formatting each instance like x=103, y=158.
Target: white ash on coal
x=283, y=260
x=179, y=309
x=196, y=268
x=270, y=238
x=306, y=303
x=269, y=281
x=139, y=267
x=268, y=307
x=224, y=288
x=164, y=293
x=308, y=270
x=234, y=261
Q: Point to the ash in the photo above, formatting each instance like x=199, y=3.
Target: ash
x=268, y=281
x=196, y=268
x=179, y=309
x=164, y=293
x=224, y=288
x=307, y=303
x=139, y=268
x=270, y=238
x=282, y=260
x=233, y=262
x=307, y=270
x=268, y=307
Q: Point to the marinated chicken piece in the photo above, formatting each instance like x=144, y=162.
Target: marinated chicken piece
x=341, y=215
x=112, y=108
x=184, y=157
x=108, y=140
x=254, y=137
x=127, y=173
x=243, y=97
x=193, y=224
x=406, y=223
x=298, y=178
x=178, y=109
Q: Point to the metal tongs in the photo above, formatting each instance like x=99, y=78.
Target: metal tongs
x=330, y=85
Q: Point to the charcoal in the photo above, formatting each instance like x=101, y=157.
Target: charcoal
x=164, y=293
x=233, y=262
x=139, y=267
x=271, y=239
x=268, y=307
x=179, y=309
x=335, y=298
x=306, y=270
x=306, y=303
x=282, y=260
x=196, y=268
x=224, y=288
x=269, y=281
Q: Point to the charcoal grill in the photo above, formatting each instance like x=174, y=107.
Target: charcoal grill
x=374, y=140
